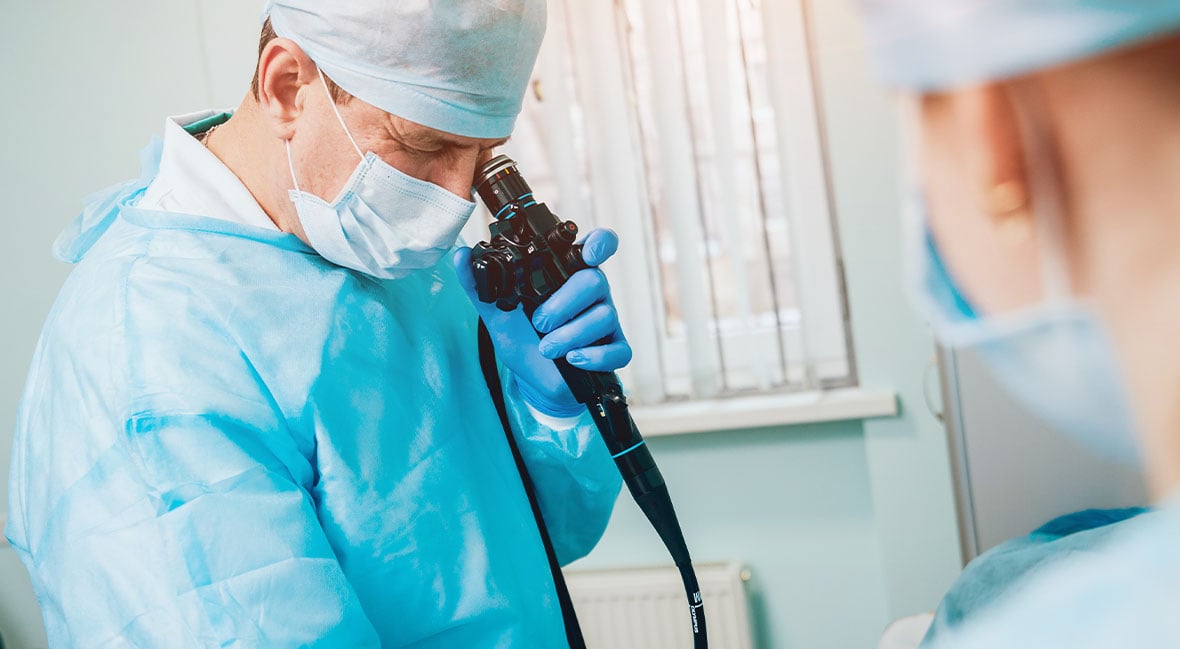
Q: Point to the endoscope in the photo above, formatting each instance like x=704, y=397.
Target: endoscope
x=531, y=254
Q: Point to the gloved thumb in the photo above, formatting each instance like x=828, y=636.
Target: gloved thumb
x=461, y=258
x=599, y=245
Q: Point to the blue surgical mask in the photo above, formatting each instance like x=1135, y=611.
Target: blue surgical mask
x=1055, y=357
x=384, y=223
x=1055, y=360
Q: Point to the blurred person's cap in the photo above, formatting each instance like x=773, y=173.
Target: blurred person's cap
x=930, y=45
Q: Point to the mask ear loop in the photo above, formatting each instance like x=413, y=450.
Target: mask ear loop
x=1045, y=197
x=291, y=165
x=339, y=118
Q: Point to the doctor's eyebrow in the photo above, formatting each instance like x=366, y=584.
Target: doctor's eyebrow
x=427, y=138
x=442, y=140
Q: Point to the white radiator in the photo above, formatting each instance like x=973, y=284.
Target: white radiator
x=646, y=608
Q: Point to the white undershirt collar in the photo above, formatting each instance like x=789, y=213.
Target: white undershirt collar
x=193, y=181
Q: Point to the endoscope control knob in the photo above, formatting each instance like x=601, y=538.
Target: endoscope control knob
x=491, y=277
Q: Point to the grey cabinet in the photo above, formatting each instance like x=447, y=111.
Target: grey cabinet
x=1012, y=472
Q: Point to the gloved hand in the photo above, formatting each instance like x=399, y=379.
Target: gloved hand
x=574, y=320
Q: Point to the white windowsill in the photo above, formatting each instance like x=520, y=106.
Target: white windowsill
x=707, y=415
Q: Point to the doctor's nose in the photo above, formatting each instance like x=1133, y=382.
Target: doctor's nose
x=458, y=175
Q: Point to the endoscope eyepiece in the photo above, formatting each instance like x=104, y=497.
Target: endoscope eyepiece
x=493, y=167
x=500, y=186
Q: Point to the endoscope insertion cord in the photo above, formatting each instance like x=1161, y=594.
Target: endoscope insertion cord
x=531, y=255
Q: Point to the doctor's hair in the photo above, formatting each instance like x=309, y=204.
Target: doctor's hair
x=339, y=95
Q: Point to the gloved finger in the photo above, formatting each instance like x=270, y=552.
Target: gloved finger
x=462, y=261
x=600, y=321
x=599, y=245
x=580, y=292
x=602, y=358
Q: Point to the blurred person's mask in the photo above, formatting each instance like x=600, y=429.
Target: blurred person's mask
x=384, y=223
x=1053, y=357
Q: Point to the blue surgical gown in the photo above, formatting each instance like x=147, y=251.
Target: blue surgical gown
x=1004, y=569
x=226, y=441
x=1124, y=593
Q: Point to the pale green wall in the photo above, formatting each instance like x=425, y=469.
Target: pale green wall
x=844, y=525
x=909, y=471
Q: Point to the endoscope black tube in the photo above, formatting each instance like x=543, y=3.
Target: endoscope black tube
x=634, y=460
x=507, y=196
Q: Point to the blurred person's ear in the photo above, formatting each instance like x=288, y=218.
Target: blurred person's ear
x=987, y=125
x=976, y=182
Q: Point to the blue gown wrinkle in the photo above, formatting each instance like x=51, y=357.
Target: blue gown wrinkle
x=1114, y=587
x=227, y=441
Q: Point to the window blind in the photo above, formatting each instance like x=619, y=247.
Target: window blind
x=691, y=127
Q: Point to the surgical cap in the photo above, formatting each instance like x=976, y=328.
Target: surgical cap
x=928, y=45
x=459, y=66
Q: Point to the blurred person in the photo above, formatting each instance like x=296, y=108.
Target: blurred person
x=1044, y=229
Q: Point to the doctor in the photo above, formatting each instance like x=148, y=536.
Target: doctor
x=1044, y=234
x=256, y=415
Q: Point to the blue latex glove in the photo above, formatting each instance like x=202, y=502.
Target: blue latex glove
x=579, y=323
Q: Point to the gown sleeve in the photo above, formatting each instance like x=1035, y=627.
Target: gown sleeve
x=204, y=535
x=165, y=500
x=576, y=480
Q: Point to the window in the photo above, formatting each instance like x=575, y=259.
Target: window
x=690, y=127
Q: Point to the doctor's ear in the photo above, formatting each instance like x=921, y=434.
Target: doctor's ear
x=283, y=70
x=983, y=120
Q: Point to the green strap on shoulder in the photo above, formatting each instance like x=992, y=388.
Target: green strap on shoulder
x=202, y=125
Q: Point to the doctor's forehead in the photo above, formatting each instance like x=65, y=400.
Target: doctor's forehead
x=424, y=137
